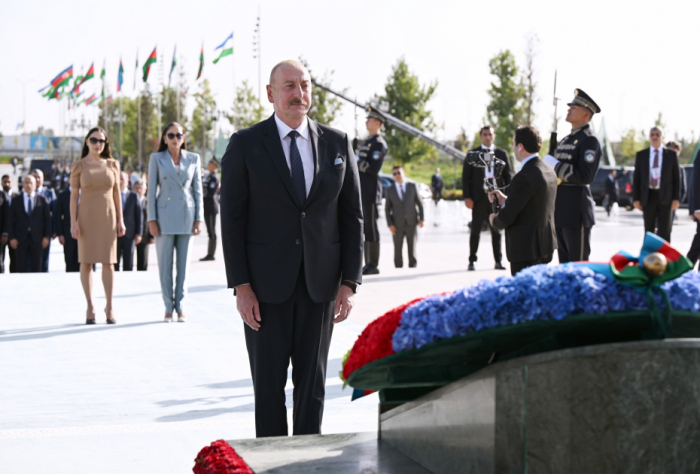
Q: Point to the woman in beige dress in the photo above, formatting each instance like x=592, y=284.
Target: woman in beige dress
x=96, y=215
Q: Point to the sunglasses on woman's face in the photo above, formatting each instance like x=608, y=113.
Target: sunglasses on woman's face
x=174, y=135
x=95, y=141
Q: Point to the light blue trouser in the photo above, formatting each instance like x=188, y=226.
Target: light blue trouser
x=169, y=246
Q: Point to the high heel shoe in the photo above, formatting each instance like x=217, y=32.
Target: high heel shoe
x=88, y=319
x=168, y=317
x=110, y=317
x=181, y=317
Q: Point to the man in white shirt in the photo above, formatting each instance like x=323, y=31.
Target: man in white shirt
x=404, y=214
x=29, y=229
x=50, y=196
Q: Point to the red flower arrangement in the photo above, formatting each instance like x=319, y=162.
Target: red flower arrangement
x=375, y=341
x=220, y=458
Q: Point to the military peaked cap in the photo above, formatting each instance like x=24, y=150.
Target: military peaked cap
x=376, y=115
x=584, y=100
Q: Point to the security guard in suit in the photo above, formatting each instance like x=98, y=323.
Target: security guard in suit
x=210, y=189
x=369, y=162
x=575, y=162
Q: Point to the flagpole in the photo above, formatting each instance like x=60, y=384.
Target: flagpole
x=138, y=132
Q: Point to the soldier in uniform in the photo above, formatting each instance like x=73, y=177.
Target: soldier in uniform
x=576, y=163
x=210, y=189
x=369, y=162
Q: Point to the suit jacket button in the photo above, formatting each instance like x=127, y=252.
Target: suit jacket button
x=182, y=189
x=168, y=199
x=298, y=241
x=303, y=214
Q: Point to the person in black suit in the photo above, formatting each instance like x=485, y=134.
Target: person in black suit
x=62, y=226
x=50, y=196
x=210, y=188
x=657, y=185
x=4, y=238
x=29, y=228
x=291, y=226
x=476, y=199
x=694, y=210
x=404, y=214
x=527, y=214
x=146, y=237
x=133, y=220
x=612, y=189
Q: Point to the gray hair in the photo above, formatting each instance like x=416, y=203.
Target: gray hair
x=658, y=129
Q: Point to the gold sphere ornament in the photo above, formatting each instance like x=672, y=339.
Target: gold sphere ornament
x=655, y=264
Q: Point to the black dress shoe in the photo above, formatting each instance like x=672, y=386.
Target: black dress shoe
x=207, y=258
x=371, y=270
x=499, y=266
x=471, y=268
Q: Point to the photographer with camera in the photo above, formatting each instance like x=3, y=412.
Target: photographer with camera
x=475, y=198
x=527, y=213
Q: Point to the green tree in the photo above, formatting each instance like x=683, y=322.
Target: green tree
x=324, y=105
x=172, y=107
x=505, y=110
x=247, y=109
x=631, y=142
x=201, y=133
x=461, y=141
x=406, y=99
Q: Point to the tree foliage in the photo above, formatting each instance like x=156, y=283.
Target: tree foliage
x=203, y=118
x=505, y=109
x=247, y=109
x=461, y=140
x=406, y=99
x=172, y=107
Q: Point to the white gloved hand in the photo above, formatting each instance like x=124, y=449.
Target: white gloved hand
x=551, y=161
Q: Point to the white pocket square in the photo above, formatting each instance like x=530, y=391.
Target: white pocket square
x=338, y=160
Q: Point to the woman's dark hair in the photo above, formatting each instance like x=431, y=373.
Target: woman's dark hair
x=529, y=138
x=106, y=151
x=164, y=146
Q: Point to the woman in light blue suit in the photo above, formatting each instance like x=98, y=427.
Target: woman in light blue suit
x=175, y=212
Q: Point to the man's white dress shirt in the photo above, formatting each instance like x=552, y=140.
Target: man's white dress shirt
x=304, y=145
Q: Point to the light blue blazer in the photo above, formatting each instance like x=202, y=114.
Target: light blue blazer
x=175, y=201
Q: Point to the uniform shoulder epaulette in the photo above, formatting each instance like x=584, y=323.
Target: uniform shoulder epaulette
x=589, y=132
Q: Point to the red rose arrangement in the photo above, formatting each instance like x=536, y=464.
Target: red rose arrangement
x=220, y=458
x=375, y=341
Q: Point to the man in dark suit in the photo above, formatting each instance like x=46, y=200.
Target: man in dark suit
x=575, y=162
x=146, y=237
x=475, y=197
x=694, y=210
x=404, y=214
x=657, y=185
x=9, y=194
x=62, y=226
x=527, y=214
x=133, y=221
x=210, y=189
x=50, y=196
x=291, y=222
x=612, y=189
x=29, y=227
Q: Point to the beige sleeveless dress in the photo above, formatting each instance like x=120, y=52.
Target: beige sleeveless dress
x=97, y=217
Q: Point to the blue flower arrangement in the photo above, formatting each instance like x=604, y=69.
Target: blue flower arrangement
x=535, y=294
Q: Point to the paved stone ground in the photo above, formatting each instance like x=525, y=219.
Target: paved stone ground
x=143, y=396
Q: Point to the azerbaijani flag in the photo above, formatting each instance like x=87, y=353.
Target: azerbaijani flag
x=225, y=50
x=76, y=85
x=147, y=65
x=90, y=99
x=90, y=74
x=120, y=76
x=63, y=78
x=172, y=66
x=201, y=62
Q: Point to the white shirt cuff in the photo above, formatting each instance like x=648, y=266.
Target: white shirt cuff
x=551, y=161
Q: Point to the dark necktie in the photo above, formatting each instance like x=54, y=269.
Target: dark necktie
x=30, y=204
x=297, y=167
x=655, y=181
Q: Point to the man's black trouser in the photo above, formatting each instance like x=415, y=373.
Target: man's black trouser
x=574, y=244
x=694, y=252
x=655, y=210
x=480, y=213
x=125, y=252
x=210, y=222
x=142, y=255
x=70, y=255
x=29, y=256
x=299, y=330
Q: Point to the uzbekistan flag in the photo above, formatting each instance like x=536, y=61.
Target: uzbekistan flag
x=201, y=62
x=90, y=99
x=225, y=50
x=147, y=65
x=63, y=78
x=120, y=76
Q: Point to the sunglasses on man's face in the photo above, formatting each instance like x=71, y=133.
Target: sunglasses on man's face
x=396, y=174
x=95, y=141
x=174, y=135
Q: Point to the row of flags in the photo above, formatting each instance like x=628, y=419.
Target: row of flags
x=60, y=86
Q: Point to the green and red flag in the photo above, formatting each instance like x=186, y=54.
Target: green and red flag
x=147, y=65
x=172, y=66
x=63, y=78
x=201, y=62
x=90, y=99
x=90, y=74
x=120, y=76
x=102, y=74
x=226, y=49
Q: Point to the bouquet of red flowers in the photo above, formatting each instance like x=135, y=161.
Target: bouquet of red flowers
x=220, y=458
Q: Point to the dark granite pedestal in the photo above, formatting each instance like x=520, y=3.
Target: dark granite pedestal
x=615, y=408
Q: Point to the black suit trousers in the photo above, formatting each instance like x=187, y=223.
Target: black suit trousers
x=125, y=252
x=480, y=213
x=655, y=210
x=299, y=330
x=210, y=222
x=29, y=256
x=694, y=252
x=70, y=255
x=574, y=244
x=142, y=255
x=2, y=257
